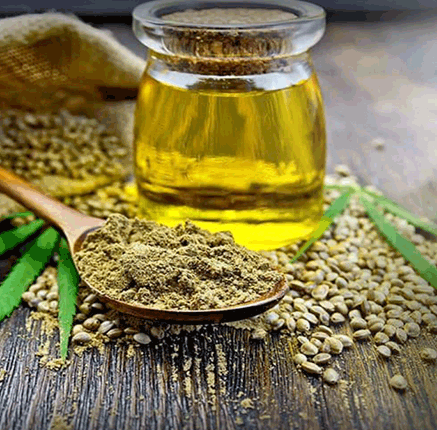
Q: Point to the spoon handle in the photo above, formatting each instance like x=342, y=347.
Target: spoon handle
x=70, y=221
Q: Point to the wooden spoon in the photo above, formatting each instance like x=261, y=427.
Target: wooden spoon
x=76, y=226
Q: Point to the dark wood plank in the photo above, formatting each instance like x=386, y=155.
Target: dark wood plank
x=179, y=383
x=378, y=81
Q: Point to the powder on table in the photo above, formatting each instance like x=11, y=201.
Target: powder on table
x=145, y=263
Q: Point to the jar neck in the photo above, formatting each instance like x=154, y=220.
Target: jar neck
x=226, y=74
x=248, y=31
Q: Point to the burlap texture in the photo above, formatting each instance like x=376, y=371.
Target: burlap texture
x=51, y=61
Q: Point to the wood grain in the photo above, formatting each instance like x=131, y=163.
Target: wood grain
x=179, y=383
x=378, y=80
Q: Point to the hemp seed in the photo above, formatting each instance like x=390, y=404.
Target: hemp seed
x=398, y=382
x=330, y=376
x=428, y=354
x=311, y=368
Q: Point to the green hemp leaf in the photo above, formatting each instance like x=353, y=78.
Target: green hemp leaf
x=425, y=269
x=336, y=208
x=68, y=281
x=11, y=238
x=407, y=249
x=29, y=266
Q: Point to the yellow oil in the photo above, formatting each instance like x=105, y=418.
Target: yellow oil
x=251, y=162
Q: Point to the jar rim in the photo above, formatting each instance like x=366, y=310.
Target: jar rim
x=152, y=14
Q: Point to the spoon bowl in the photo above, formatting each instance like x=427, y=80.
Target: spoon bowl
x=76, y=226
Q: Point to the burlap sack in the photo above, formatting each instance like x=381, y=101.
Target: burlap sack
x=51, y=61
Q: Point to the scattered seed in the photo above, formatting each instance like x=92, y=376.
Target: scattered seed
x=105, y=327
x=91, y=324
x=312, y=368
x=433, y=327
x=157, y=332
x=429, y=318
x=394, y=313
x=320, y=292
x=259, y=334
x=309, y=348
x=376, y=326
x=428, y=354
x=384, y=351
x=326, y=329
x=52, y=296
x=358, y=323
x=398, y=382
x=381, y=338
x=90, y=298
x=395, y=348
x=41, y=294
x=303, y=325
x=142, y=338
x=324, y=318
x=81, y=338
x=272, y=317
x=97, y=306
x=326, y=347
x=114, y=333
x=300, y=358
x=311, y=318
x=43, y=306
x=85, y=308
x=300, y=307
x=322, y=358
x=337, y=318
x=345, y=340
x=361, y=334
x=290, y=324
x=76, y=329
x=28, y=296
x=341, y=308
x=401, y=336
x=320, y=335
x=336, y=345
x=330, y=376
x=302, y=339
x=316, y=342
x=278, y=324
x=327, y=305
x=354, y=313
x=389, y=330
x=412, y=329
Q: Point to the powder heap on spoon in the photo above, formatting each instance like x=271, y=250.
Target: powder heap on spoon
x=186, y=268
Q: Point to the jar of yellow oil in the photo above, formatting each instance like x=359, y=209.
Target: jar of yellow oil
x=229, y=124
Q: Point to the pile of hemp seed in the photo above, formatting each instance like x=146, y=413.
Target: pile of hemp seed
x=349, y=287
x=61, y=153
x=349, y=279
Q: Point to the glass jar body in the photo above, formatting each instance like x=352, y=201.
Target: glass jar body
x=243, y=152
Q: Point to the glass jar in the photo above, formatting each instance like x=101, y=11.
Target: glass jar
x=229, y=124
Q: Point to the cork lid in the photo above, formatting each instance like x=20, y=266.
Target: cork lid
x=229, y=29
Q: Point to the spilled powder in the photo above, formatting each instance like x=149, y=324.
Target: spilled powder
x=142, y=262
x=60, y=423
x=3, y=374
x=247, y=403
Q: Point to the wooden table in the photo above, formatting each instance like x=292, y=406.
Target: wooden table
x=379, y=81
